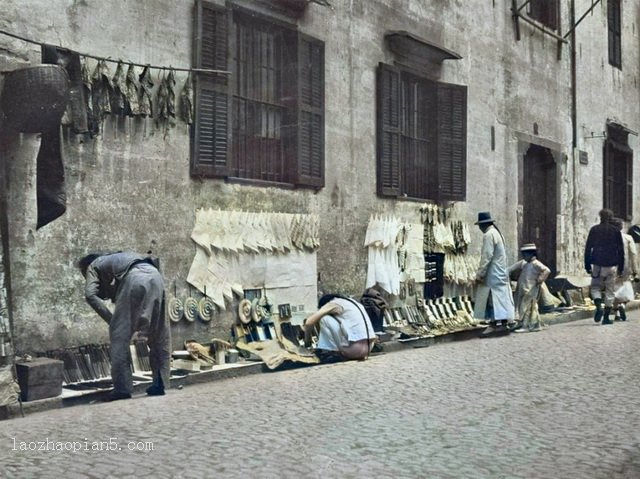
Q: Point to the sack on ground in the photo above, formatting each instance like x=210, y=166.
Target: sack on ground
x=625, y=292
x=375, y=304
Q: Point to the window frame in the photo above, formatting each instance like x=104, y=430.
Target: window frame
x=618, y=174
x=444, y=171
x=546, y=12
x=614, y=29
x=300, y=154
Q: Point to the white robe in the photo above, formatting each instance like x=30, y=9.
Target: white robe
x=493, y=278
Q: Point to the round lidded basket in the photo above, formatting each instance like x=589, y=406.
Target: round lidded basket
x=34, y=98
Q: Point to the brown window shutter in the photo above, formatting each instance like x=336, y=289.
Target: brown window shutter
x=388, y=125
x=553, y=9
x=629, y=189
x=452, y=142
x=310, y=138
x=545, y=11
x=614, y=23
x=608, y=175
x=210, y=156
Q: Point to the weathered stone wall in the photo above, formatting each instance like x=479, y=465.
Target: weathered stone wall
x=130, y=188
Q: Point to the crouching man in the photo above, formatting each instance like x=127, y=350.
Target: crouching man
x=134, y=284
x=345, y=330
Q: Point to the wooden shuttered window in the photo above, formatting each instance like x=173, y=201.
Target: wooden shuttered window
x=452, y=142
x=546, y=12
x=608, y=186
x=421, y=136
x=388, y=168
x=614, y=23
x=629, y=187
x=210, y=144
x=264, y=122
x=310, y=111
x=618, y=179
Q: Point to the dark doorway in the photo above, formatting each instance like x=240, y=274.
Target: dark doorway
x=539, y=204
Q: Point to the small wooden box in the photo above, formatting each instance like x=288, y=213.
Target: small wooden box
x=40, y=378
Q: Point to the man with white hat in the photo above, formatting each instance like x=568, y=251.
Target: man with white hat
x=492, y=279
x=532, y=274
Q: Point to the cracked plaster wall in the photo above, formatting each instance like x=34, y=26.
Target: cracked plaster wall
x=130, y=188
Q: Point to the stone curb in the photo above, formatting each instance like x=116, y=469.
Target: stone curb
x=245, y=369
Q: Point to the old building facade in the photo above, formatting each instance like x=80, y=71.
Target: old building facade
x=341, y=109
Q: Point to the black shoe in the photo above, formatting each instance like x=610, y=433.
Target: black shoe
x=514, y=325
x=488, y=331
x=155, y=391
x=598, y=316
x=606, y=321
x=326, y=356
x=116, y=396
x=623, y=314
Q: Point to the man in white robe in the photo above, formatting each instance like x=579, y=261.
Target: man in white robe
x=492, y=279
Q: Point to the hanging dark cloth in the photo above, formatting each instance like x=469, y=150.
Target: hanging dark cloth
x=51, y=196
x=34, y=100
x=76, y=113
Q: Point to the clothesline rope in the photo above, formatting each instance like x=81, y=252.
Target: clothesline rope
x=95, y=57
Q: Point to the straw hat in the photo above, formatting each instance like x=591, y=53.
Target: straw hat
x=529, y=247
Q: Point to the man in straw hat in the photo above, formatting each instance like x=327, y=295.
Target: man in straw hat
x=532, y=275
x=494, y=300
x=604, y=261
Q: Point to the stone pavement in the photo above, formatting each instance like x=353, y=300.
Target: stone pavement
x=562, y=403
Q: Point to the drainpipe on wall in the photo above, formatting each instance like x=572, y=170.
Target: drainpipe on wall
x=572, y=53
x=574, y=121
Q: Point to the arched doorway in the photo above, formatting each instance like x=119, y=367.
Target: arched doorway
x=539, y=202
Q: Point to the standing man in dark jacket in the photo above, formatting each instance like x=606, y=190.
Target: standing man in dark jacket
x=133, y=282
x=604, y=260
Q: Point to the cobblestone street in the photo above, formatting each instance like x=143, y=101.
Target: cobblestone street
x=562, y=403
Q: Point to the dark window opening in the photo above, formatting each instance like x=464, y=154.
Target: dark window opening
x=546, y=12
x=265, y=121
x=618, y=174
x=421, y=137
x=614, y=21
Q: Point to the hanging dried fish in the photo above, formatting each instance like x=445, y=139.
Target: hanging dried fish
x=118, y=99
x=166, y=99
x=171, y=94
x=161, y=103
x=131, y=92
x=101, y=88
x=92, y=123
x=144, y=93
x=186, y=101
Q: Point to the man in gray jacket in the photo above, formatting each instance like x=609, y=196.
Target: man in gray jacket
x=133, y=282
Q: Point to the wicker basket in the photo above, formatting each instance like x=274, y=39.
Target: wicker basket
x=34, y=98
